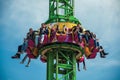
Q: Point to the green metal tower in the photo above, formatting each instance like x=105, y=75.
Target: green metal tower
x=61, y=60
x=61, y=11
x=61, y=57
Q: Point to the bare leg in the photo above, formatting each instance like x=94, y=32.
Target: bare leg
x=24, y=59
x=28, y=63
x=78, y=66
x=84, y=66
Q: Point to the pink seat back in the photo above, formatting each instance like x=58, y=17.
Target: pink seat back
x=61, y=38
x=93, y=54
x=45, y=41
x=91, y=43
x=81, y=59
x=68, y=38
x=31, y=45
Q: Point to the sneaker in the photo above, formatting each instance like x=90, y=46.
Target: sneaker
x=15, y=57
x=106, y=53
x=102, y=56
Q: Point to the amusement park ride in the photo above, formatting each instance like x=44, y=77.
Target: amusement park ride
x=61, y=54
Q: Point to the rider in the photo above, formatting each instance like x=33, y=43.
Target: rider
x=43, y=32
x=23, y=47
x=81, y=59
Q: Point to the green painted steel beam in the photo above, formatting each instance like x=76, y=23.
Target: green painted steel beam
x=66, y=75
x=61, y=11
x=61, y=61
x=65, y=66
x=50, y=66
x=66, y=57
x=57, y=71
x=74, y=67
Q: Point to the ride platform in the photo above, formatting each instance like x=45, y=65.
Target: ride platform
x=61, y=60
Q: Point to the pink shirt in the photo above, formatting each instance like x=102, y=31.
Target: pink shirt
x=81, y=59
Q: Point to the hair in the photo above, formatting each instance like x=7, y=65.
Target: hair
x=30, y=29
x=42, y=23
x=81, y=29
x=74, y=28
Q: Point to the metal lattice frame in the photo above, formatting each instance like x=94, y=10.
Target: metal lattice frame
x=61, y=60
x=61, y=11
x=60, y=70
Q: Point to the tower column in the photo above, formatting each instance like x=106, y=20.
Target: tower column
x=61, y=65
x=61, y=11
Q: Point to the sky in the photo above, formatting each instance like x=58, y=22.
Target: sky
x=99, y=16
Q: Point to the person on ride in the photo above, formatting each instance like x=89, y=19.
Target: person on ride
x=31, y=44
x=94, y=47
x=77, y=33
x=87, y=36
x=31, y=51
x=68, y=35
x=43, y=34
x=81, y=59
x=79, y=30
x=22, y=48
x=53, y=37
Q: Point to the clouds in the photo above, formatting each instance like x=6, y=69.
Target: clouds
x=100, y=16
x=20, y=15
x=30, y=9
x=112, y=63
x=25, y=12
x=103, y=18
x=106, y=63
x=96, y=11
